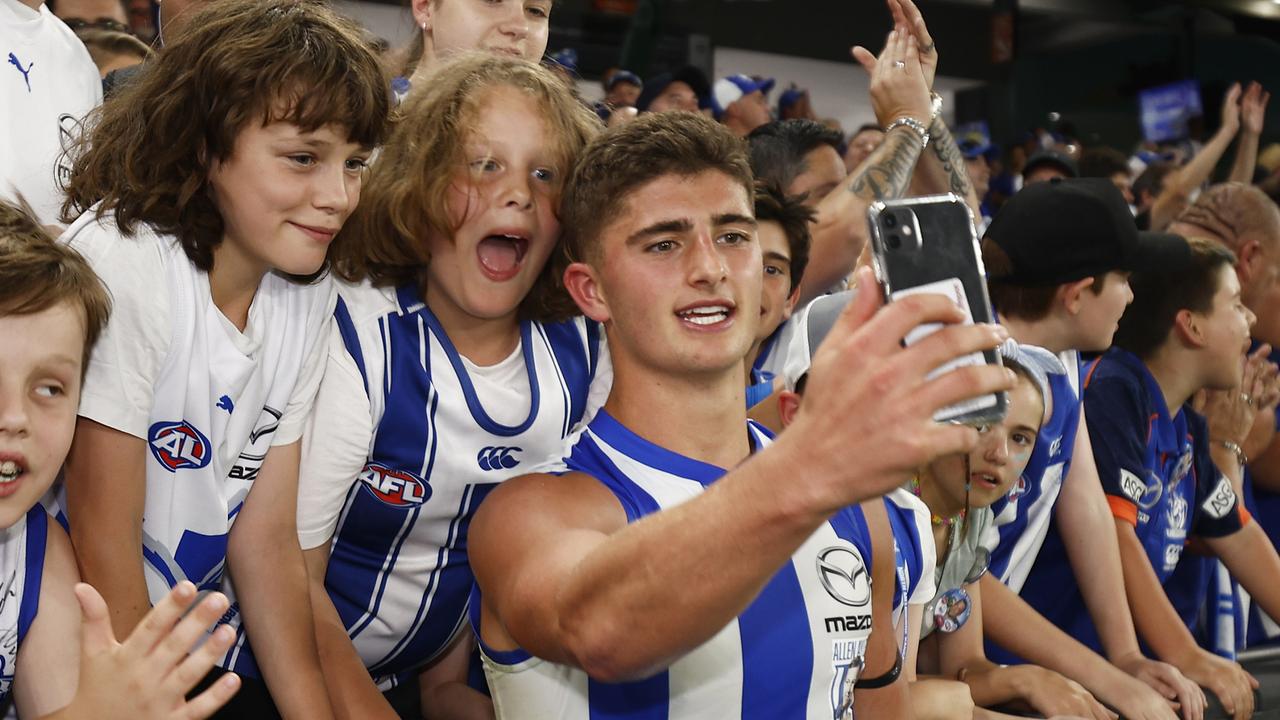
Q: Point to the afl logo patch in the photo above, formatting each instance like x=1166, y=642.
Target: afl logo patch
x=394, y=487
x=843, y=576
x=178, y=446
x=1018, y=490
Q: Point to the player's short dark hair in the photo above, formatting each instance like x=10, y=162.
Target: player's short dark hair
x=778, y=148
x=1159, y=295
x=772, y=205
x=629, y=156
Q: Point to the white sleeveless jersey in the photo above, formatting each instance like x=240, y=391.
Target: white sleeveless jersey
x=795, y=652
x=398, y=572
x=217, y=403
x=915, y=556
x=22, y=549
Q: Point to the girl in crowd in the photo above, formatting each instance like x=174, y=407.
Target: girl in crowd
x=444, y=377
x=517, y=28
x=958, y=491
x=208, y=194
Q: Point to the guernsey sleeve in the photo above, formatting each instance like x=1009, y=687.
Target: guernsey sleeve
x=319, y=323
x=1117, y=422
x=130, y=353
x=335, y=444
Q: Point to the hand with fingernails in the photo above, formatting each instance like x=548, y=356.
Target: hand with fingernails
x=148, y=675
x=907, y=18
x=898, y=86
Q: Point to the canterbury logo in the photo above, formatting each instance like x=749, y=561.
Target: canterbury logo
x=498, y=458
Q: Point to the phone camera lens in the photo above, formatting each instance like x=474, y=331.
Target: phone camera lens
x=895, y=242
x=890, y=221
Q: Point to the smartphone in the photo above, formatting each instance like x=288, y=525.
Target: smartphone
x=930, y=245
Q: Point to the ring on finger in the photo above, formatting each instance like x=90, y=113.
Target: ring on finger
x=1247, y=400
x=899, y=64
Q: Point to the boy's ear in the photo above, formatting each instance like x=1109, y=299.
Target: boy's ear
x=584, y=287
x=1189, y=327
x=1069, y=294
x=1249, y=261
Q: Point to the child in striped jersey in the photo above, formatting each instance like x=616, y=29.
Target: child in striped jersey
x=446, y=375
x=52, y=309
x=209, y=193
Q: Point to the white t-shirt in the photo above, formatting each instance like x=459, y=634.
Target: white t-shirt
x=48, y=83
x=209, y=400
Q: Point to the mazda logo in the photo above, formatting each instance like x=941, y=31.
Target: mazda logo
x=844, y=576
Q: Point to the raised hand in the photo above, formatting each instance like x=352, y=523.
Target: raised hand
x=1231, y=110
x=907, y=18
x=148, y=676
x=1253, y=108
x=898, y=87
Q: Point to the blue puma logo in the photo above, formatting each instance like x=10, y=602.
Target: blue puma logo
x=224, y=403
x=26, y=73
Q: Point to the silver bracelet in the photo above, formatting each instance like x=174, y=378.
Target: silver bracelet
x=1235, y=448
x=914, y=125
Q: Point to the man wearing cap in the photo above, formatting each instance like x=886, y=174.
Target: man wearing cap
x=794, y=104
x=622, y=89
x=1045, y=165
x=739, y=103
x=685, y=89
x=1058, y=256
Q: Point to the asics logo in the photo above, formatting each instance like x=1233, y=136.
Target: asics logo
x=844, y=576
x=498, y=458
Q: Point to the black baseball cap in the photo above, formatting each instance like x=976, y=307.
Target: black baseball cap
x=689, y=75
x=1053, y=158
x=1068, y=229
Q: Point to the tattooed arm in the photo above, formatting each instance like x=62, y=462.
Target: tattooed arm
x=898, y=90
x=942, y=168
x=840, y=231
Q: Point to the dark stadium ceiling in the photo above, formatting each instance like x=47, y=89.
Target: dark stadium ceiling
x=825, y=29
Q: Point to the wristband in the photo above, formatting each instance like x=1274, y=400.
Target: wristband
x=914, y=125
x=884, y=680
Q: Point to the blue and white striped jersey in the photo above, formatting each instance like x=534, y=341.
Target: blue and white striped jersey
x=437, y=435
x=795, y=652
x=1024, y=515
x=22, y=550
